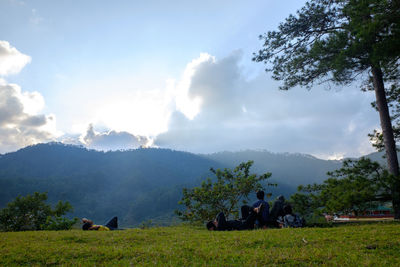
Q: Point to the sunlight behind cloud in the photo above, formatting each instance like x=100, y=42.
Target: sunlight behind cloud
x=33, y=102
x=51, y=126
x=142, y=112
x=190, y=105
x=139, y=109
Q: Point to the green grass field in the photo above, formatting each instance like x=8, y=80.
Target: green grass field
x=376, y=244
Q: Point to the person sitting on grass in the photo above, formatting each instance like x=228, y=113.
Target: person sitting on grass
x=111, y=225
x=263, y=217
x=221, y=224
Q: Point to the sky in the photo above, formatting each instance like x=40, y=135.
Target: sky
x=172, y=74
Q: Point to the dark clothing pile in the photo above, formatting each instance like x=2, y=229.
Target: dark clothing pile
x=291, y=221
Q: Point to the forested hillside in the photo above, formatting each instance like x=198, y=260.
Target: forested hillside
x=137, y=185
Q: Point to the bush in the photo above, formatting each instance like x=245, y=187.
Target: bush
x=32, y=213
x=59, y=223
x=315, y=220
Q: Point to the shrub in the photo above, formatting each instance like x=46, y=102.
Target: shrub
x=32, y=213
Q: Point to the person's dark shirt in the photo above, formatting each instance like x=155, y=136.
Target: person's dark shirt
x=265, y=213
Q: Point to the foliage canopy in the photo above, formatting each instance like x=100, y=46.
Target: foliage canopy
x=356, y=187
x=334, y=40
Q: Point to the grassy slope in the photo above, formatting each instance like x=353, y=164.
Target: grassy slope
x=375, y=244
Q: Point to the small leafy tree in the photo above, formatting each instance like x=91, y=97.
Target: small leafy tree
x=225, y=193
x=303, y=204
x=357, y=186
x=32, y=213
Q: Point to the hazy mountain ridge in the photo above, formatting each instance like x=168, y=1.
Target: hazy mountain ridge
x=137, y=184
x=286, y=168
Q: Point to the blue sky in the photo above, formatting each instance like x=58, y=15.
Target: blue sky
x=175, y=74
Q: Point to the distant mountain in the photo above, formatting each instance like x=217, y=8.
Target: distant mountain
x=286, y=168
x=136, y=184
x=379, y=157
x=140, y=184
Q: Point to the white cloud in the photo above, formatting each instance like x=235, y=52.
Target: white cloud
x=212, y=107
x=113, y=140
x=235, y=113
x=11, y=60
x=33, y=102
x=21, y=123
x=19, y=128
x=336, y=157
x=187, y=103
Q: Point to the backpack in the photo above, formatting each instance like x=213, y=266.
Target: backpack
x=292, y=221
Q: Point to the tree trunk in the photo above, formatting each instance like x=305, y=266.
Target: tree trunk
x=388, y=137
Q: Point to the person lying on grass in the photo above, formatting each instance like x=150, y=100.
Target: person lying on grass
x=111, y=225
x=221, y=224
